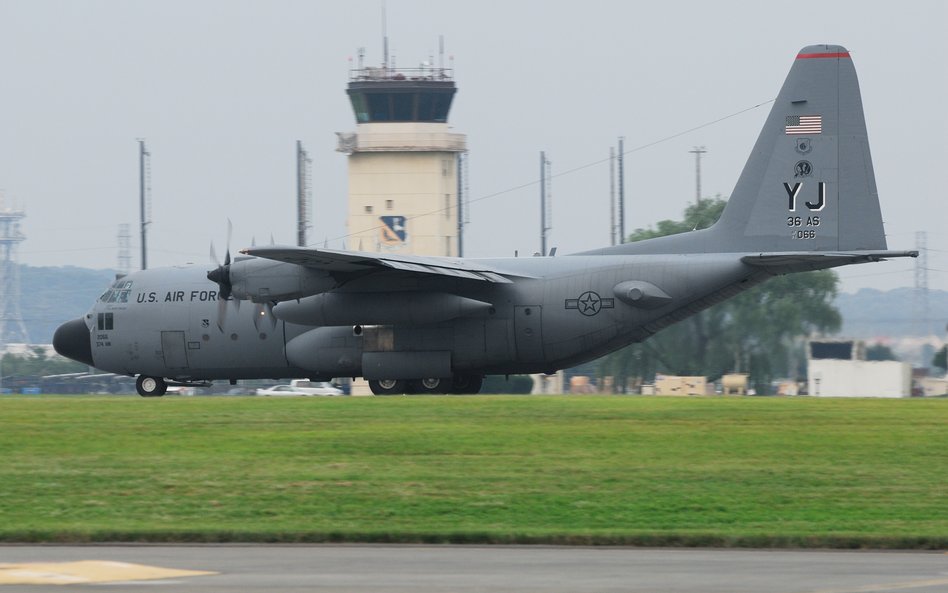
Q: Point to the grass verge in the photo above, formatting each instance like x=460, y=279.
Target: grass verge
x=758, y=472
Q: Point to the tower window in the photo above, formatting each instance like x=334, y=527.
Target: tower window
x=389, y=204
x=368, y=209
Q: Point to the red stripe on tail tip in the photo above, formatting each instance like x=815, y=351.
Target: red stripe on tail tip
x=844, y=54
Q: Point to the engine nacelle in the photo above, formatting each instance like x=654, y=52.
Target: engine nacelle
x=263, y=280
x=376, y=308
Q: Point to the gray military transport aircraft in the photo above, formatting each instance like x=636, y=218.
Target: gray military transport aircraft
x=806, y=200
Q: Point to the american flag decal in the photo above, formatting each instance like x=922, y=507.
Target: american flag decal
x=804, y=124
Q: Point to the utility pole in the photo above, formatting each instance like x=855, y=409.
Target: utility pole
x=143, y=174
x=459, y=163
x=698, y=151
x=621, y=189
x=544, y=209
x=921, y=284
x=303, y=193
x=612, y=195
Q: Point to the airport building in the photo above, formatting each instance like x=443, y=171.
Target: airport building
x=838, y=368
x=404, y=162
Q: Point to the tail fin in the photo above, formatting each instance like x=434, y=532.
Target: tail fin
x=808, y=184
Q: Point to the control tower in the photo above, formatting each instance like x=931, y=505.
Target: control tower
x=403, y=161
x=12, y=329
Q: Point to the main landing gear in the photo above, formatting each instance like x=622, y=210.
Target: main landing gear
x=459, y=384
x=150, y=386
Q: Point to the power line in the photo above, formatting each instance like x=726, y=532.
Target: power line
x=585, y=166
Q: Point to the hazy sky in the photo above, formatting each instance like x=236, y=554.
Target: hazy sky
x=222, y=89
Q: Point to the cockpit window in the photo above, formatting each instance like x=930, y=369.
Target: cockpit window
x=118, y=292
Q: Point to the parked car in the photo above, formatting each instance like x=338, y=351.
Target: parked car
x=315, y=387
x=302, y=387
x=281, y=390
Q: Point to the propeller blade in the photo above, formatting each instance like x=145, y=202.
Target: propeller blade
x=221, y=314
x=271, y=317
x=230, y=232
x=258, y=313
x=263, y=315
x=221, y=274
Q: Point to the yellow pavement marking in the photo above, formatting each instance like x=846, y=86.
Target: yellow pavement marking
x=878, y=588
x=86, y=571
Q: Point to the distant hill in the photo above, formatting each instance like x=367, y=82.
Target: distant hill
x=49, y=296
x=876, y=313
x=52, y=295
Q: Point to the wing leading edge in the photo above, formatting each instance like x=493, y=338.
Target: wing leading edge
x=333, y=261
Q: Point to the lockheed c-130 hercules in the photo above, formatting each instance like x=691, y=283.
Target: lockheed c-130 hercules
x=806, y=200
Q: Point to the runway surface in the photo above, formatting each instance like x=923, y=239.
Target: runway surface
x=470, y=569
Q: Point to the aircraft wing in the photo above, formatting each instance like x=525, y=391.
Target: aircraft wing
x=332, y=261
x=782, y=262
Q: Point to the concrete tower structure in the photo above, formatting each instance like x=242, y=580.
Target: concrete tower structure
x=403, y=161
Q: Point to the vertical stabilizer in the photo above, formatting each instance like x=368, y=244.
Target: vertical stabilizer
x=808, y=184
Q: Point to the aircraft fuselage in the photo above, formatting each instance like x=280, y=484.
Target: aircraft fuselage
x=168, y=322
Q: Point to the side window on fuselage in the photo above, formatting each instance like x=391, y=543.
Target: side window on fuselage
x=106, y=321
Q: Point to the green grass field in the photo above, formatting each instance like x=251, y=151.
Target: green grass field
x=583, y=469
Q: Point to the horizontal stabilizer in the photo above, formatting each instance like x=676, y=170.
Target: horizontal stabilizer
x=783, y=262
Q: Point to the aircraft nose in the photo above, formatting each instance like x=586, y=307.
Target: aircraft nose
x=72, y=340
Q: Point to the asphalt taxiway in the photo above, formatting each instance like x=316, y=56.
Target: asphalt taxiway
x=468, y=569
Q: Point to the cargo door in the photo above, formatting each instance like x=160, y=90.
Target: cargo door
x=174, y=350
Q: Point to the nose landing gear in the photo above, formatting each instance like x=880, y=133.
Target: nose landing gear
x=150, y=386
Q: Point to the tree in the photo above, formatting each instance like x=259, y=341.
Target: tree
x=37, y=364
x=880, y=352
x=940, y=360
x=754, y=332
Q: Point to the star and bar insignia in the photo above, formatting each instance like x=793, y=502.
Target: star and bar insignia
x=589, y=303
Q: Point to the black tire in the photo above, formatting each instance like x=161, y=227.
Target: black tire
x=150, y=386
x=429, y=386
x=466, y=384
x=388, y=387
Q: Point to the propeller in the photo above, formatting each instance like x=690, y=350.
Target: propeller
x=221, y=276
x=263, y=312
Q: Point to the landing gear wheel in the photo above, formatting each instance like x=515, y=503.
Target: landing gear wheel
x=466, y=384
x=428, y=386
x=150, y=386
x=388, y=387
